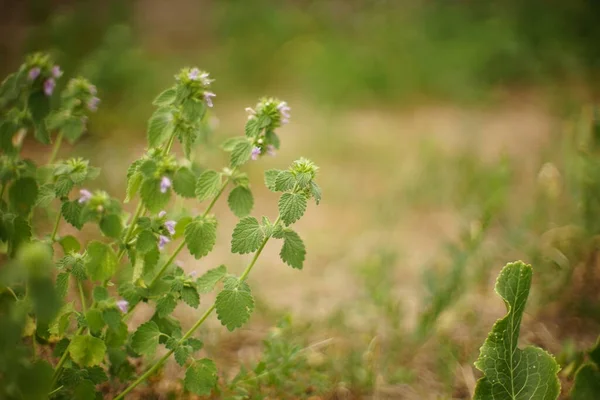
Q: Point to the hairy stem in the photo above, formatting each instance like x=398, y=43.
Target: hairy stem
x=81, y=296
x=138, y=212
x=198, y=323
x=55, y=229
x=55, y=148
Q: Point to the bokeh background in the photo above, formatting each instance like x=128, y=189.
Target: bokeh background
x=452, y=137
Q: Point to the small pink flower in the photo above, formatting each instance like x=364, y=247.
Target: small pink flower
x=49, y=85
x=170, y=225
x=284, y=111
x=85, y=196
x=194, y=74
x=162, y=241
x=255, y=153
x=193, y=274
x=56, y=72
x=208, y=98
x=93, y=104
x=165, y=184
x=123, y=305
x=162, y=214
x=34, y=73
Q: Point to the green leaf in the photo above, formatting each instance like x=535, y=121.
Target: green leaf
x=39, y=105
x=34, y=383
x=23, y=195
x=184, y=182
x=284, y=181
x=252, y=127
x=190, y=296
x=234, y=303
x=62, y=284
x=152, y=197
x=201, y=377
x=112, y=317
x=206, y=283
x=587, y=383
x=201, y=235
x=61, y=322
x=87, y=350
x=100, y=293
x=271, y=178
x=71, y=212
x=293, y=251
x=145, y=340
x=240, y=201
x=195, y=344
x=229, y=144
x=180, y=226
x=111, y=225
x=72, y=129
x=69, y=244
x=182, y=353
x=63, y=186
x=46, y=194
x=166, y=98
x=291, y=207
x=146, y=241
x=509, y=372
x=315, y=191
x=208, y=185
x=247, y=236
x=241, y=153
x=101, y=262
x=165, y=305
x=94, y=320
x=160, y=127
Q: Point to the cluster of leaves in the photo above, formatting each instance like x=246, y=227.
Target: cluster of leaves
x=126, y=264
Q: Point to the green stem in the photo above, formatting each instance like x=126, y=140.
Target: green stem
x=189, y=333
x=56, y=147
x=55, y=229
x=63, y=359
x=81, y=296
x=12, y=292
x=138, y=212
x=34, y=345
x=55, y=391
x=2, y=191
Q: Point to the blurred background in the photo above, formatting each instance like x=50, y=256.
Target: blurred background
x=452, y=137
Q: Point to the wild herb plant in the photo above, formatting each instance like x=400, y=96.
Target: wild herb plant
x=69, y=347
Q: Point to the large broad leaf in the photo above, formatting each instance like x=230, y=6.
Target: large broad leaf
x=509, y=372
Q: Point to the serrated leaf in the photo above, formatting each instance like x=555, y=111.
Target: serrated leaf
x=71, y=212
x=509, y=372
x=208, y=185
x=195, y=344
x=229, y=144
x=146, y=241
x=252, y=127
x=284, y=181
x=62, y=284
x=200, y=236
x=62, y=320
x=240, y=201
x=69, y=244
x=292, y=207
x=201, y=377
x=94, y=320
x=182, y=353
x=101, y=262
x=315, y=190
x=63, y=186
x=145, y=339
x=87, y=350
x=190, y=296
x=165, y=305
x=271, y=178
x=160, y=127
x=241, y=153
x=206, y=283
x=45, y=196
x=152, y=197
x=112, y=317
x=23, y=195
x=247, y=236
x=293, y=251
x=96, y=375
x=111, y=225
x=166, y=98
x=184, y=182
x=234, y=303
x=100, y=293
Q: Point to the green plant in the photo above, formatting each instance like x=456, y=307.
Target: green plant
x=587, y=379
x=509, y=372
x=90, y=337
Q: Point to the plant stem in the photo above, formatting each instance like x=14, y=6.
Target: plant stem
x=12, y=292
x=55, y=391
x=63, y=359
x=56, y=147
x=138, y=212
x=189, y=333
x=55, y=229
x=82, y=296
x=34, y=345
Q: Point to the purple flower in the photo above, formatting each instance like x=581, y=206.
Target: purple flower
x=255, y=153
x=284, y=111
x=56, y=72
x=205, y=79
x=123, y=305
x=271, y=150
x=85, y=196
x=162, y=214
x=93, y=103
x=49, y=86
x=208, y=99
x=193, y=274
x=194, y=74
x=165, y=184
x=170, y=225
x=162, y=241
x=93, y=90
x=34, y=73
